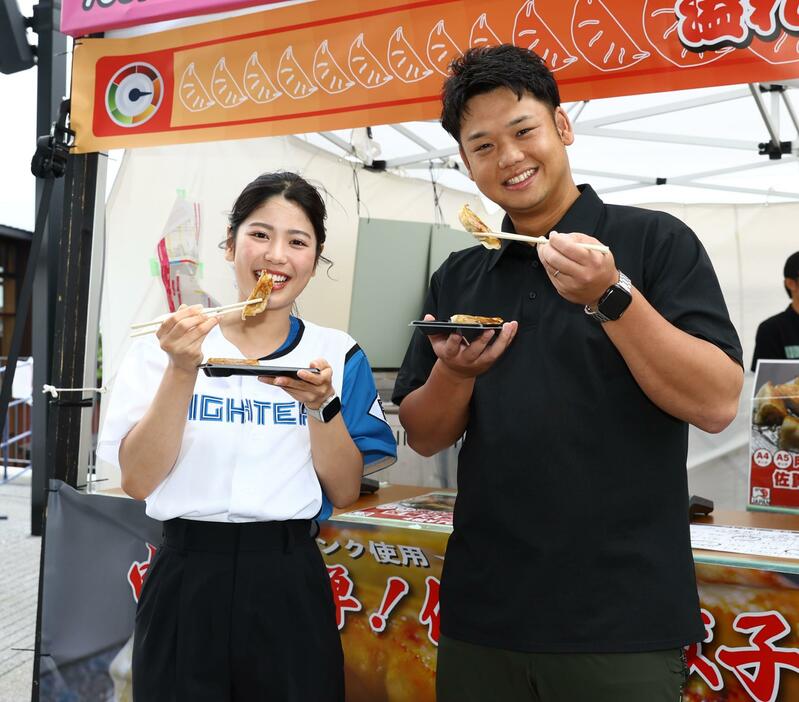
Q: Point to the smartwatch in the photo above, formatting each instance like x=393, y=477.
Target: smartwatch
x=614, y=301
x=326, y=411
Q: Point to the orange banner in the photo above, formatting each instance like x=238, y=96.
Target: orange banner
x=331, y=65
x=385, y=582
x=385, y=591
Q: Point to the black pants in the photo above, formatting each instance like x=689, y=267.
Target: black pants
x=235, y=613
x=470, y=673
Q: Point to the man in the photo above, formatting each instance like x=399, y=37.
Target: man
x=569, y=575
x=778, y=336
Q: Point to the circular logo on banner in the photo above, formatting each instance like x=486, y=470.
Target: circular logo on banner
x=762, y=458
x=134, y=94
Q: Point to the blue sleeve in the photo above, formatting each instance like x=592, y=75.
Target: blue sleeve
x=326, y=510
x=363, y=413
x=365, y=420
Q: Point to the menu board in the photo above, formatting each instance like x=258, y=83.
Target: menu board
x=774, y=439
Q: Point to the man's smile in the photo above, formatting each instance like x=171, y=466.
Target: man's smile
x=521, y=180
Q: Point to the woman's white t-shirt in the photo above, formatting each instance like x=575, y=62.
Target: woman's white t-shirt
x=246, y=452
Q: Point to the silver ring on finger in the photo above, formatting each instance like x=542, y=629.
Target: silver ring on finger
x=555, y=273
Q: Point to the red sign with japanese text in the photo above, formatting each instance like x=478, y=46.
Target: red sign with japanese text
x=433, y=509
x=774, y=444
x=323, y=66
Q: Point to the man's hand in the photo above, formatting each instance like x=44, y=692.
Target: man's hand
x=580, y=275
x=470, y=359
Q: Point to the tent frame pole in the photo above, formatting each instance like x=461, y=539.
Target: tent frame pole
x=773, y=129
x=71, y=320
x=50, y=86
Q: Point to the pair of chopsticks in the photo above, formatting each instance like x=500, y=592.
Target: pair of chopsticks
x=536, y=240
x=142, y=328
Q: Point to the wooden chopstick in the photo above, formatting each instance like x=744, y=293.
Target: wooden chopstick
x=152, y=326
x=536, y=240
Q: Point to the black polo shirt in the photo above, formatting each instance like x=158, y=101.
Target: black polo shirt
x=777, y=337
x=571, y=524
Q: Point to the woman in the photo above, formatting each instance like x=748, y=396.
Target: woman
x=237, y=604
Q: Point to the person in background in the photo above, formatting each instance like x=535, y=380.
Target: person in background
x=237, y=603
x=569, y=575
x=778, y=336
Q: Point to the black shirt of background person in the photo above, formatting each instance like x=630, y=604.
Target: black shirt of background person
x=778, y=337
x=571, y=524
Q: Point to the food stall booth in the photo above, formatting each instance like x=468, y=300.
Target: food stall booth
x=320, y=66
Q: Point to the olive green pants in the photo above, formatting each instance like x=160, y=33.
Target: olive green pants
x=471, y=673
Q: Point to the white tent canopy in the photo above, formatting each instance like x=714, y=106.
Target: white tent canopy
x=684, y=146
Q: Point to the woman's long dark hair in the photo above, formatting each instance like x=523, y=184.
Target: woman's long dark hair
x=290, y=186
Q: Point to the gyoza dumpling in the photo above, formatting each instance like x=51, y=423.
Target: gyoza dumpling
x=769, y=408
x=472, y=223
x=789, y=433
x=789, y=393
x=262, y=289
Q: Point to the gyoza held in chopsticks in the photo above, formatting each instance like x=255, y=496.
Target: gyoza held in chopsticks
x=491, y=240
x=142, y=328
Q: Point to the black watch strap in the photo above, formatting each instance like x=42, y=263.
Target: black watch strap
x=326, y=411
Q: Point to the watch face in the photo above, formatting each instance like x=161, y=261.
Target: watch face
x=331, y=409
x=614, y=302
x=326, y=411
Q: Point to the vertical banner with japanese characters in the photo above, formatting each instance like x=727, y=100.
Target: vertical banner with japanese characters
x=333, y=65
x=774, y=445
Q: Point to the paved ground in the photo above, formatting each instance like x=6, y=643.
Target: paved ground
x=19, y=580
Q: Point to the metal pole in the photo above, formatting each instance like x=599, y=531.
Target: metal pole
x=773, y=131
x=51, y=87
x=5, y=452
x=72, y=312
x=791, y=113
x=93, y=314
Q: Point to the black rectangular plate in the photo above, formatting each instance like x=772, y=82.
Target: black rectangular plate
x=218, y=370
x=467, y=331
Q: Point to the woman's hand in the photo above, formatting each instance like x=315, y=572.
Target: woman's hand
x=336, y=459
x=181, y=337
x=312, y=389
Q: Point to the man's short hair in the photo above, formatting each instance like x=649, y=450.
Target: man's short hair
x=791, y=269
x=484, y=69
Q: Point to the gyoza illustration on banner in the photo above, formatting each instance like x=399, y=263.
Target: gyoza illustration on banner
x=321, y=66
